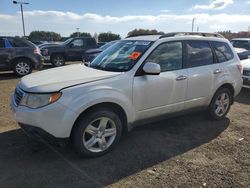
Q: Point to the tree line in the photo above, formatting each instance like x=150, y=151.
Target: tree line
x=109, y=36
x=53, y=36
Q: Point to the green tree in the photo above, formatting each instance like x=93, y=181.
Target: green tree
x=80, y=34
x=107, y=37
x=44, y=36
x=138, y=32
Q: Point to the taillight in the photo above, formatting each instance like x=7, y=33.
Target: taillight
x=37, y=51
x=240, y=68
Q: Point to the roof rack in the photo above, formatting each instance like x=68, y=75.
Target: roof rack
x=173, y=34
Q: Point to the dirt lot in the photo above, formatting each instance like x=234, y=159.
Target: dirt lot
x=188, y=151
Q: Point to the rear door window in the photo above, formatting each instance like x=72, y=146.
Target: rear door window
x=90, y=42
x=222, y=51
x=199, y=53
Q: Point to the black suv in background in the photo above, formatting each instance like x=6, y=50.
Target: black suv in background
x=70, y=50
x=19, y=55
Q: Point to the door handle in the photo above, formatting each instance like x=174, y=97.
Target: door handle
x=217, y=71
x=182, y=77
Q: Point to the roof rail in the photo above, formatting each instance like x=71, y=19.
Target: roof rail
x=173, y=34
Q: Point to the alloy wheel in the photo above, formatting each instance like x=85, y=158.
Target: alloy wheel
x=222, y=104
x=22, y=68
x=99, y=134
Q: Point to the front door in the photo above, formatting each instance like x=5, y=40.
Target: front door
x=155, y=95
x=76, y=50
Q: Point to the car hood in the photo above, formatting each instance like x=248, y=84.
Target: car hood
x=93, y=51
x=55, y=79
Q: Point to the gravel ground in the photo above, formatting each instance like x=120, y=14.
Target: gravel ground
x=188, y=151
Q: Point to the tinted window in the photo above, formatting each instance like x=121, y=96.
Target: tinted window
x=2, y=43
x=91, y=42
x=168, y=56
x=223, y=51
x=199, y=53
x=18, y=42
x=241, y=44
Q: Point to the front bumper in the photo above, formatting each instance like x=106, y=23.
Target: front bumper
x=246, y=81
x=46, y=58
x=55, y=119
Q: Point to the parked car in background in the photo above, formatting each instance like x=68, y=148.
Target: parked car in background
x=246, y=73
x=242, y=53
x=19, y=55
x=70, y=50
x=89, y=55
x=241, y=43
x=136, y=80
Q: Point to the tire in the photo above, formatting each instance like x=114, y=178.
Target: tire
x=89, y=137
x=58, y=60
x=22, y=67
x=220, y=104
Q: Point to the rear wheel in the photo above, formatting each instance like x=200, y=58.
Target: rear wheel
x=22, y=67
x=96, y=133
x=58, y=60
x=220, y=104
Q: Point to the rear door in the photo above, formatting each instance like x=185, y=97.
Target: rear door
x=6, y=54
x=203, y=73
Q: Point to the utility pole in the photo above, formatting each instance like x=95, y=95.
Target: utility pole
x=78, y=34
x=193, y=24
x=21, y=6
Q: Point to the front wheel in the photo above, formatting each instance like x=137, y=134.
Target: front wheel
x=220, y=104
x=96, y=133
x=58, y=60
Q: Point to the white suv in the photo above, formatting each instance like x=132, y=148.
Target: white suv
x=135, y=80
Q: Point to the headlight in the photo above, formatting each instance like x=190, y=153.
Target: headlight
x=32, y=100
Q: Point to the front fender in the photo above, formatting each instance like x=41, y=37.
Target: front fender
x=80, y=102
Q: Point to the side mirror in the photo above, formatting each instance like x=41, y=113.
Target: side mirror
x=152, y=68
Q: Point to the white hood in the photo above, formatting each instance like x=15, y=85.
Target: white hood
x=246, y=63
x=56, y=79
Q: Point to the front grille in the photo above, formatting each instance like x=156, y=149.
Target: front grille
x=18, y=95
x=246, y=82
x=246, y=72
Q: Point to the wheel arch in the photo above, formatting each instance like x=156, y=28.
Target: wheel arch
x=116, y=108
x=229, y=87
x=13, y=61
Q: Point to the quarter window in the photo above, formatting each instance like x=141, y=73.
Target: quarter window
x=222, y=51
x=199, y=53
x=168, y=56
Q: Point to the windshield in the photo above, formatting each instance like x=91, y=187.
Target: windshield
x=121, y=56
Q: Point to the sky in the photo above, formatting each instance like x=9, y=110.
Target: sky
x=120, y=17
